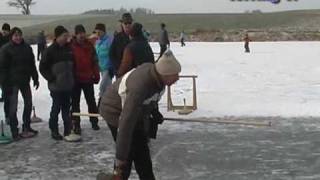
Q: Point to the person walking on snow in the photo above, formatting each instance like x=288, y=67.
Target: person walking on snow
x=129, y=108
x=182, y=38
x=163, y=39
x=56, y=66
x=86, y=75
x=17, y=67
x=246, y=43
x=42, y=44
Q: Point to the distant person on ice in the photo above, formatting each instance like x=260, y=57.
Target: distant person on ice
x=56, y=66
x=137, y=52
x=182, y=39
x=129, y=107
x=103, y=45
x=86, y=71
x=120, y=41
x=17, y=67
x=163, y=39
x=42, y=44
x=246, y=43
x=4, y=38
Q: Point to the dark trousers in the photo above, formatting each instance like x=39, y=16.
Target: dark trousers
x=139, y=155
x=163, y=48
x=61, y=101
x=12, y=93
x=41, y=48
x=182, y=42
x=246, y=47
x=88, y=91
x=6, y=101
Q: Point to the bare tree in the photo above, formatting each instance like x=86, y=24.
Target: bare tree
x=24, y=5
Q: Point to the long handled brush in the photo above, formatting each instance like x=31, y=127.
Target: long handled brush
x=245, y=123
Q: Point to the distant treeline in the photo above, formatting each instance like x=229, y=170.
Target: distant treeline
x=140, y=11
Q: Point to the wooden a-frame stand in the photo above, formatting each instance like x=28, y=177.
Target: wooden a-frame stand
x=187, y=108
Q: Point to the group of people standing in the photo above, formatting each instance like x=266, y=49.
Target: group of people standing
x=129, y=103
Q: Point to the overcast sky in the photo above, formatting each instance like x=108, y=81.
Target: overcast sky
x=161, y=6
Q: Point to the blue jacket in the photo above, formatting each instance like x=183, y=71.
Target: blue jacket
x=103, y=50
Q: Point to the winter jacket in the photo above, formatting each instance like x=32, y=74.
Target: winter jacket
x=128, y=103
x=3, y=39
x=164, y=38
x=247, y=40
x=17, y=65
x=56, y=66
x=137, y=52
x=103, y=51
x=182, y=36
x=85, y=61
x=121, y=40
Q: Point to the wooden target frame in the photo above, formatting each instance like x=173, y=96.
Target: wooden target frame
x=194, y=106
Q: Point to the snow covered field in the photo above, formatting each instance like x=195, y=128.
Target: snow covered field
x=278, y=81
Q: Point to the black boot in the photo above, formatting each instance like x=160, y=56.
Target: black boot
x=56, y=136
x=29, y=129
x=33, y=131
x=15, y=134
x=95, y=126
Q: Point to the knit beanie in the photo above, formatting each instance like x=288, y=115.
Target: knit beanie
x=100, y=27
x=59, y=30
x=6, y=27
x=168, y=64
x=15, y=30
x=79, y=29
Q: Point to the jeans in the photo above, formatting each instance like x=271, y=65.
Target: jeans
x=12, y=93
x=61, y=101
x=106, y=81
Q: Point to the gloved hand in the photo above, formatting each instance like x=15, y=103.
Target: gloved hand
x=36, y=84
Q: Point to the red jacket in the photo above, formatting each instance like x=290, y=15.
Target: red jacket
x=86, y=67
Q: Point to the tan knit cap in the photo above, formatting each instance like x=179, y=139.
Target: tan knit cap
x=168, y=64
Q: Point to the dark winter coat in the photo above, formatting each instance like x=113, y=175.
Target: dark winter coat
x=85, y=61
x=17, y=65
x=128, y=103
x=120, y=41
x=3, y=39
x=137, y=52
x=41, y=39
x=56, y=66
